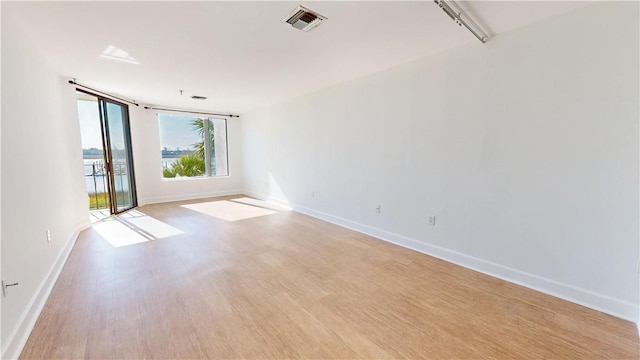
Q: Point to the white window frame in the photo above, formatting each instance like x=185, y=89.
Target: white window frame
x=207, y=144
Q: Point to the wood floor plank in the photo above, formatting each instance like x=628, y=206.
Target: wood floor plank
x=284, y=285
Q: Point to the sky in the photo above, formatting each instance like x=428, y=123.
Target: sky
x=175, y=131
x=89, y=124
x=89, y=116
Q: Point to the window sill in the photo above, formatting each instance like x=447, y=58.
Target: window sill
x=193, y=178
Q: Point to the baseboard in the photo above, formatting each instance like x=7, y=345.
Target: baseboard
x=164, y=199
x=280, y=202
x=18, y=337
x=603, y=303
x=253, y=195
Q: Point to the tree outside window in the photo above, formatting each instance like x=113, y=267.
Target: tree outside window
x=193, y=146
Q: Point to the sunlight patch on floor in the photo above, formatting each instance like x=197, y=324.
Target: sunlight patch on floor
x=229, y=210
x=98, y=215
x=118, y=234
x=150, y=225
x=261, y=203
x=133, y=227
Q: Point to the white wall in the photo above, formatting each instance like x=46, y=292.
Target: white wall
x=42, y=181
x=147, y=159
x=525, y=149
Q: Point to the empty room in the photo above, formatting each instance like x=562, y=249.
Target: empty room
x=326, y=179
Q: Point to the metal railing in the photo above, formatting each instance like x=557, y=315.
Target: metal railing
x=96, y=185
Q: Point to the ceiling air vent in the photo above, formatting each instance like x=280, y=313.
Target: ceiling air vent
x=304, y=19
x=197, y=97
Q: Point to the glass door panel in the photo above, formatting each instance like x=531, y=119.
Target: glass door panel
x=120, y=163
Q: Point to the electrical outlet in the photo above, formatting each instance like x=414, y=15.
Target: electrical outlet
x=48, y=235
x=431, y=220
x=378, y=209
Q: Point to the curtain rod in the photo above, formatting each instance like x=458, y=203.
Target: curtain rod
x=73, y=82
x=457, y=15
x=192, y=112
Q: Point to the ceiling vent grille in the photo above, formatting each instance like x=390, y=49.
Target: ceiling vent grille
x=303, y=19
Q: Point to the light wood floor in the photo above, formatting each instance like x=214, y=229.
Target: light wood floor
x=284, y=285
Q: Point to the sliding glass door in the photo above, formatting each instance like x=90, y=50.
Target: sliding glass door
x=119, y=161
x=106, y=150
x=116, y=149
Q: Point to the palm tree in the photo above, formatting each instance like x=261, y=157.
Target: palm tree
x=192, y=164
x=198, y=125
x=188, y=165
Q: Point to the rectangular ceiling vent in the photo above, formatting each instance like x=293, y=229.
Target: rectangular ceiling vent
x=304, y=19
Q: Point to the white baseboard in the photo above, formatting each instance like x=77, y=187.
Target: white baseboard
x=266, y=198
x=603, y=303
x=18, y=337
x=275, y=201
x=253, y=194
x=164, y=199
x=279, y=202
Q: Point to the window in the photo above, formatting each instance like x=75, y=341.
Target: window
x=193, y=146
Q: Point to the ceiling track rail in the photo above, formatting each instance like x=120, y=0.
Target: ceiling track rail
x=191, y=112
x=462, y=18
x=73, y=82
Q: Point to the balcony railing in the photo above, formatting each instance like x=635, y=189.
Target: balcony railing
x=96, y=185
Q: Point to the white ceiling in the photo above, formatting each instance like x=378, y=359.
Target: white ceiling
x=239, y=54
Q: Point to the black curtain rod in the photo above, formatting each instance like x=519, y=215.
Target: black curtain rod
x=73, y=82
x=192, y=112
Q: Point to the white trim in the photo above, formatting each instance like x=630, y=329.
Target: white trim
x=18, y=337
x=164, y=199
x=270, y=199
x=600, y=302
x=255, y=195
x=193, y=178
x=280, y=202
